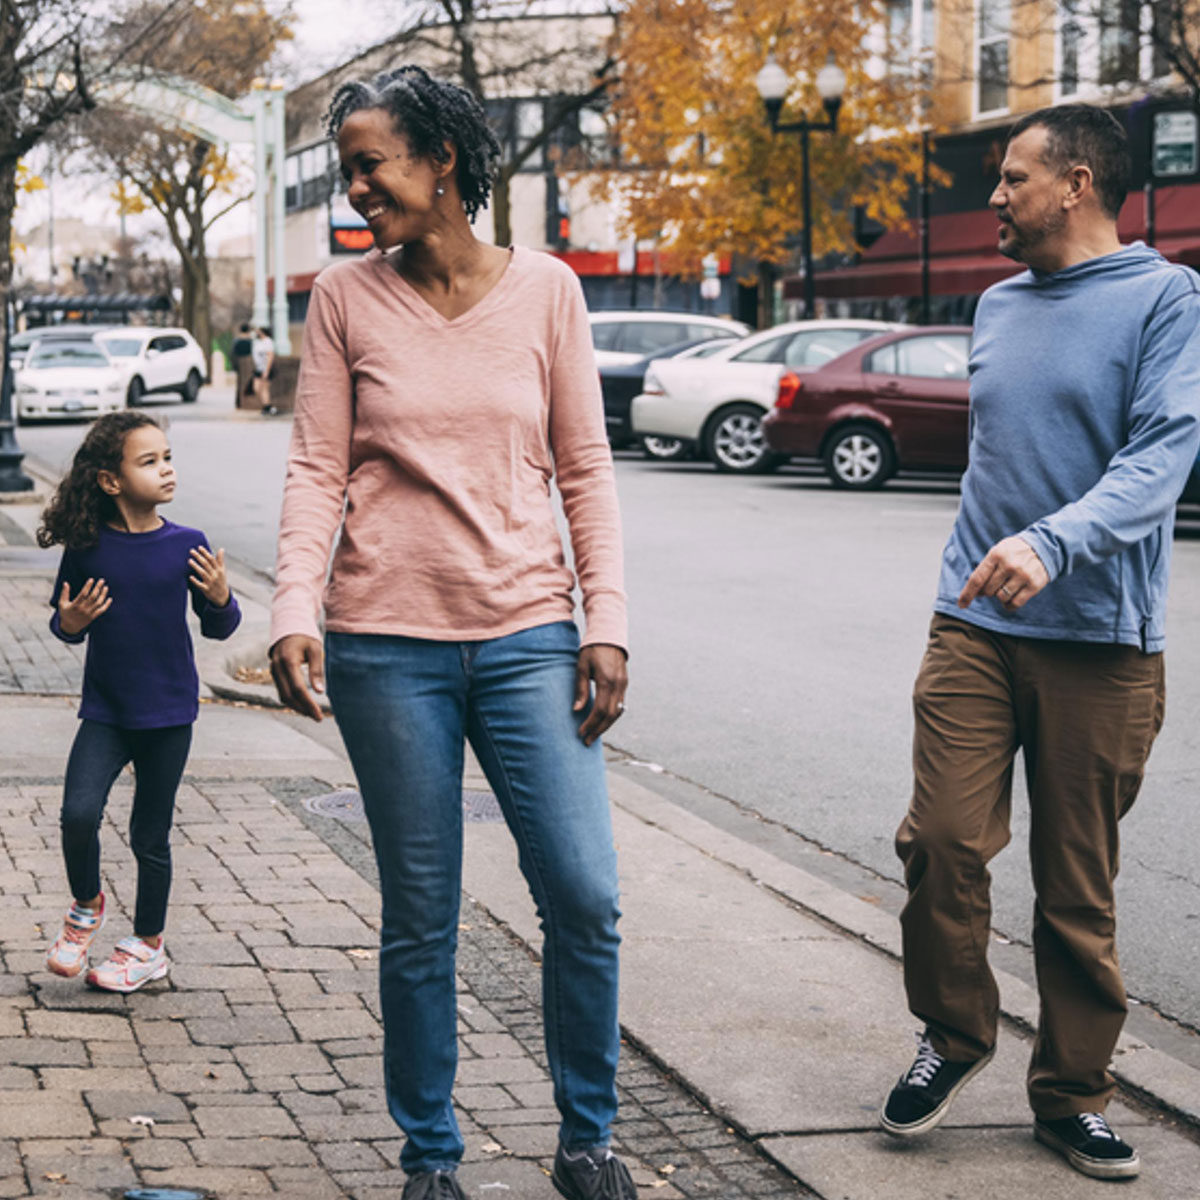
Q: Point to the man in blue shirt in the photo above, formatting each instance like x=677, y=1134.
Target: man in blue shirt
x=1048, y=629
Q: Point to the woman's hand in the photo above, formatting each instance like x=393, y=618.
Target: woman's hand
x=208, y=575
x=292, y=658
x=603, y=669
x=74, y=616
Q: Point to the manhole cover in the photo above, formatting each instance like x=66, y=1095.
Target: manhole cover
x=481, y=808
x=343, y=806
x=478, y=807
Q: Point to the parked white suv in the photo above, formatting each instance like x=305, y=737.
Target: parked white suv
x=156, y=360
x=625, y=337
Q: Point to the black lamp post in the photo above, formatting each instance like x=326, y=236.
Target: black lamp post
x=12, y=478
x=772, y=84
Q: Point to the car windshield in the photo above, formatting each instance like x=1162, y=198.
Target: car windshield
x=68, y=354
x=123, y=347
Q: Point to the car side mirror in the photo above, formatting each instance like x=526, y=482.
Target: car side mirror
x=153, y=352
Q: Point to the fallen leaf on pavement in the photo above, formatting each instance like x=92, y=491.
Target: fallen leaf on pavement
x=211, y=1074
x=361, y=953
x=492, y=1148
x=669, y=1169
x=55, y=1177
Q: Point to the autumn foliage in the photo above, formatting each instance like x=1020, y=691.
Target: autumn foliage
x=697, y=164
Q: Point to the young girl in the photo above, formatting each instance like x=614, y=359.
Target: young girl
x=123, y=584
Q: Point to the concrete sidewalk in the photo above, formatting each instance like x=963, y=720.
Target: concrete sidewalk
x=762, y=1004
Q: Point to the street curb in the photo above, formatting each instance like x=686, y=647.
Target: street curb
x=1147, y=1073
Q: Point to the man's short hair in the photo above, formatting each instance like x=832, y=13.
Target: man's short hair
x=1084, y=135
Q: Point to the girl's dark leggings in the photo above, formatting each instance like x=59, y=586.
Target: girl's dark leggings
x=99, y=753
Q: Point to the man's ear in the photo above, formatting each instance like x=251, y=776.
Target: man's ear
x=109, y=484
x=1079, y=185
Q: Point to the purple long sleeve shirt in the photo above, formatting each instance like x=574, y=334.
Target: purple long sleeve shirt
x=140, y=672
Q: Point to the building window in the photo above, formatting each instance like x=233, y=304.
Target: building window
x=910, y=31
x=1120, y=40
x=529, y=128
x=995, y=19
x=1110, y=43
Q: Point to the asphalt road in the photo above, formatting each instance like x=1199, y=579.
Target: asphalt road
x=776, y=629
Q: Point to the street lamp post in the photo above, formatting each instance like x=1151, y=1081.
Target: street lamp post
x=772, y=84
x=12, y=478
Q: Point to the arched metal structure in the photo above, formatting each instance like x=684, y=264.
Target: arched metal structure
x=259, y=121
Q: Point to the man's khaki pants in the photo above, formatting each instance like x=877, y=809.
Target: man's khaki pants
x=1085, y=716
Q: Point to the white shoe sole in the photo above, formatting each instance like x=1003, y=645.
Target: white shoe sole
x=1096, y=1168
x=934, y=1118
x=125, y=989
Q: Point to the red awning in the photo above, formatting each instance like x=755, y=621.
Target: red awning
x=955, y=275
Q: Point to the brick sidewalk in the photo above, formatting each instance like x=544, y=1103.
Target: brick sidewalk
x=256, y=1068
x=32, y=659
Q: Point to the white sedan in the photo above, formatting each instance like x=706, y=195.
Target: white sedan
x=69, y=379
x=718, y=402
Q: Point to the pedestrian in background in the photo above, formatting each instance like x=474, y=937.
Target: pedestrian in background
x=444, y=383
x=1049, y=629
x=263, y=351
x=123, y=587
x=243, y=362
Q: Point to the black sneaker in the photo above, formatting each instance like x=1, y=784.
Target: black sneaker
x=1088, y=1143
x=595, y=1174
x=922, y=1096
x=433, y=1185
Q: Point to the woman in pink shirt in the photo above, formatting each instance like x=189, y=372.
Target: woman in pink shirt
x=444, y=384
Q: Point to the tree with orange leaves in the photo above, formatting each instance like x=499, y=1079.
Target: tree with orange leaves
x=699, y=167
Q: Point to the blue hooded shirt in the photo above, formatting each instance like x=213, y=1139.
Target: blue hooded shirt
x=1085, y=423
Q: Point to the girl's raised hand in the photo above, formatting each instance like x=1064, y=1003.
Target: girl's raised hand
x=208, y=575
x=74, y=616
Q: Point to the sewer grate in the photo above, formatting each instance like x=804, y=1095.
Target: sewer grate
x=481, y=808
x=347, y=805
x=342, y=806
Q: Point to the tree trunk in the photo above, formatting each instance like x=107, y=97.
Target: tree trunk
x=8, y=204
x=196, y=306
x=502, y=207
x=201, y=329
x=766, y=295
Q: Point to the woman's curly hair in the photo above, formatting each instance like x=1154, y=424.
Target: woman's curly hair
x=79, y=506
x=429, y=112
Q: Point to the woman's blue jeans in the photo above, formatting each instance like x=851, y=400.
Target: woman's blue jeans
x=404, y=707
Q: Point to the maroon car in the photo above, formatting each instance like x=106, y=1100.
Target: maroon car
x=896, y=402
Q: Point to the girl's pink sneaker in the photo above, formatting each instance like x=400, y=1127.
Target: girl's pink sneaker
x=69, y=954
x=133, y=963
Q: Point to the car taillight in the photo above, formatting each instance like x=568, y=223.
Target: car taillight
x=789, y=388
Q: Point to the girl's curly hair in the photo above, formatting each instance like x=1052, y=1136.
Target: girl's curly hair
x=429, y=112
x=79, y=507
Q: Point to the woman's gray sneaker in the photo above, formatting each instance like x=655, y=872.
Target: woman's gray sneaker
x=923, y=1094
x=1088, y=1143
x=595, y=1174
x=433, y=1185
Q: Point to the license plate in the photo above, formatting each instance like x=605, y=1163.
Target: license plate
x=73, y=405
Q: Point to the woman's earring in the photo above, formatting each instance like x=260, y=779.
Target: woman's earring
x=439, y=190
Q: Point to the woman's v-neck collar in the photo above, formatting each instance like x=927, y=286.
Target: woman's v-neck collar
x=429, y=314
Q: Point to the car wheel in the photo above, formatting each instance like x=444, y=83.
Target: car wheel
x=859, y=457
x=137, y=389
x=191, y=387
x=663, y=449
x=735, y=442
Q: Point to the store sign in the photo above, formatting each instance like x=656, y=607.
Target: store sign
x=348, y=232
x=1176, y=144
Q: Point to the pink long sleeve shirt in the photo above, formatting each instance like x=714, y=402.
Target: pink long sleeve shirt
x=438, y=439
